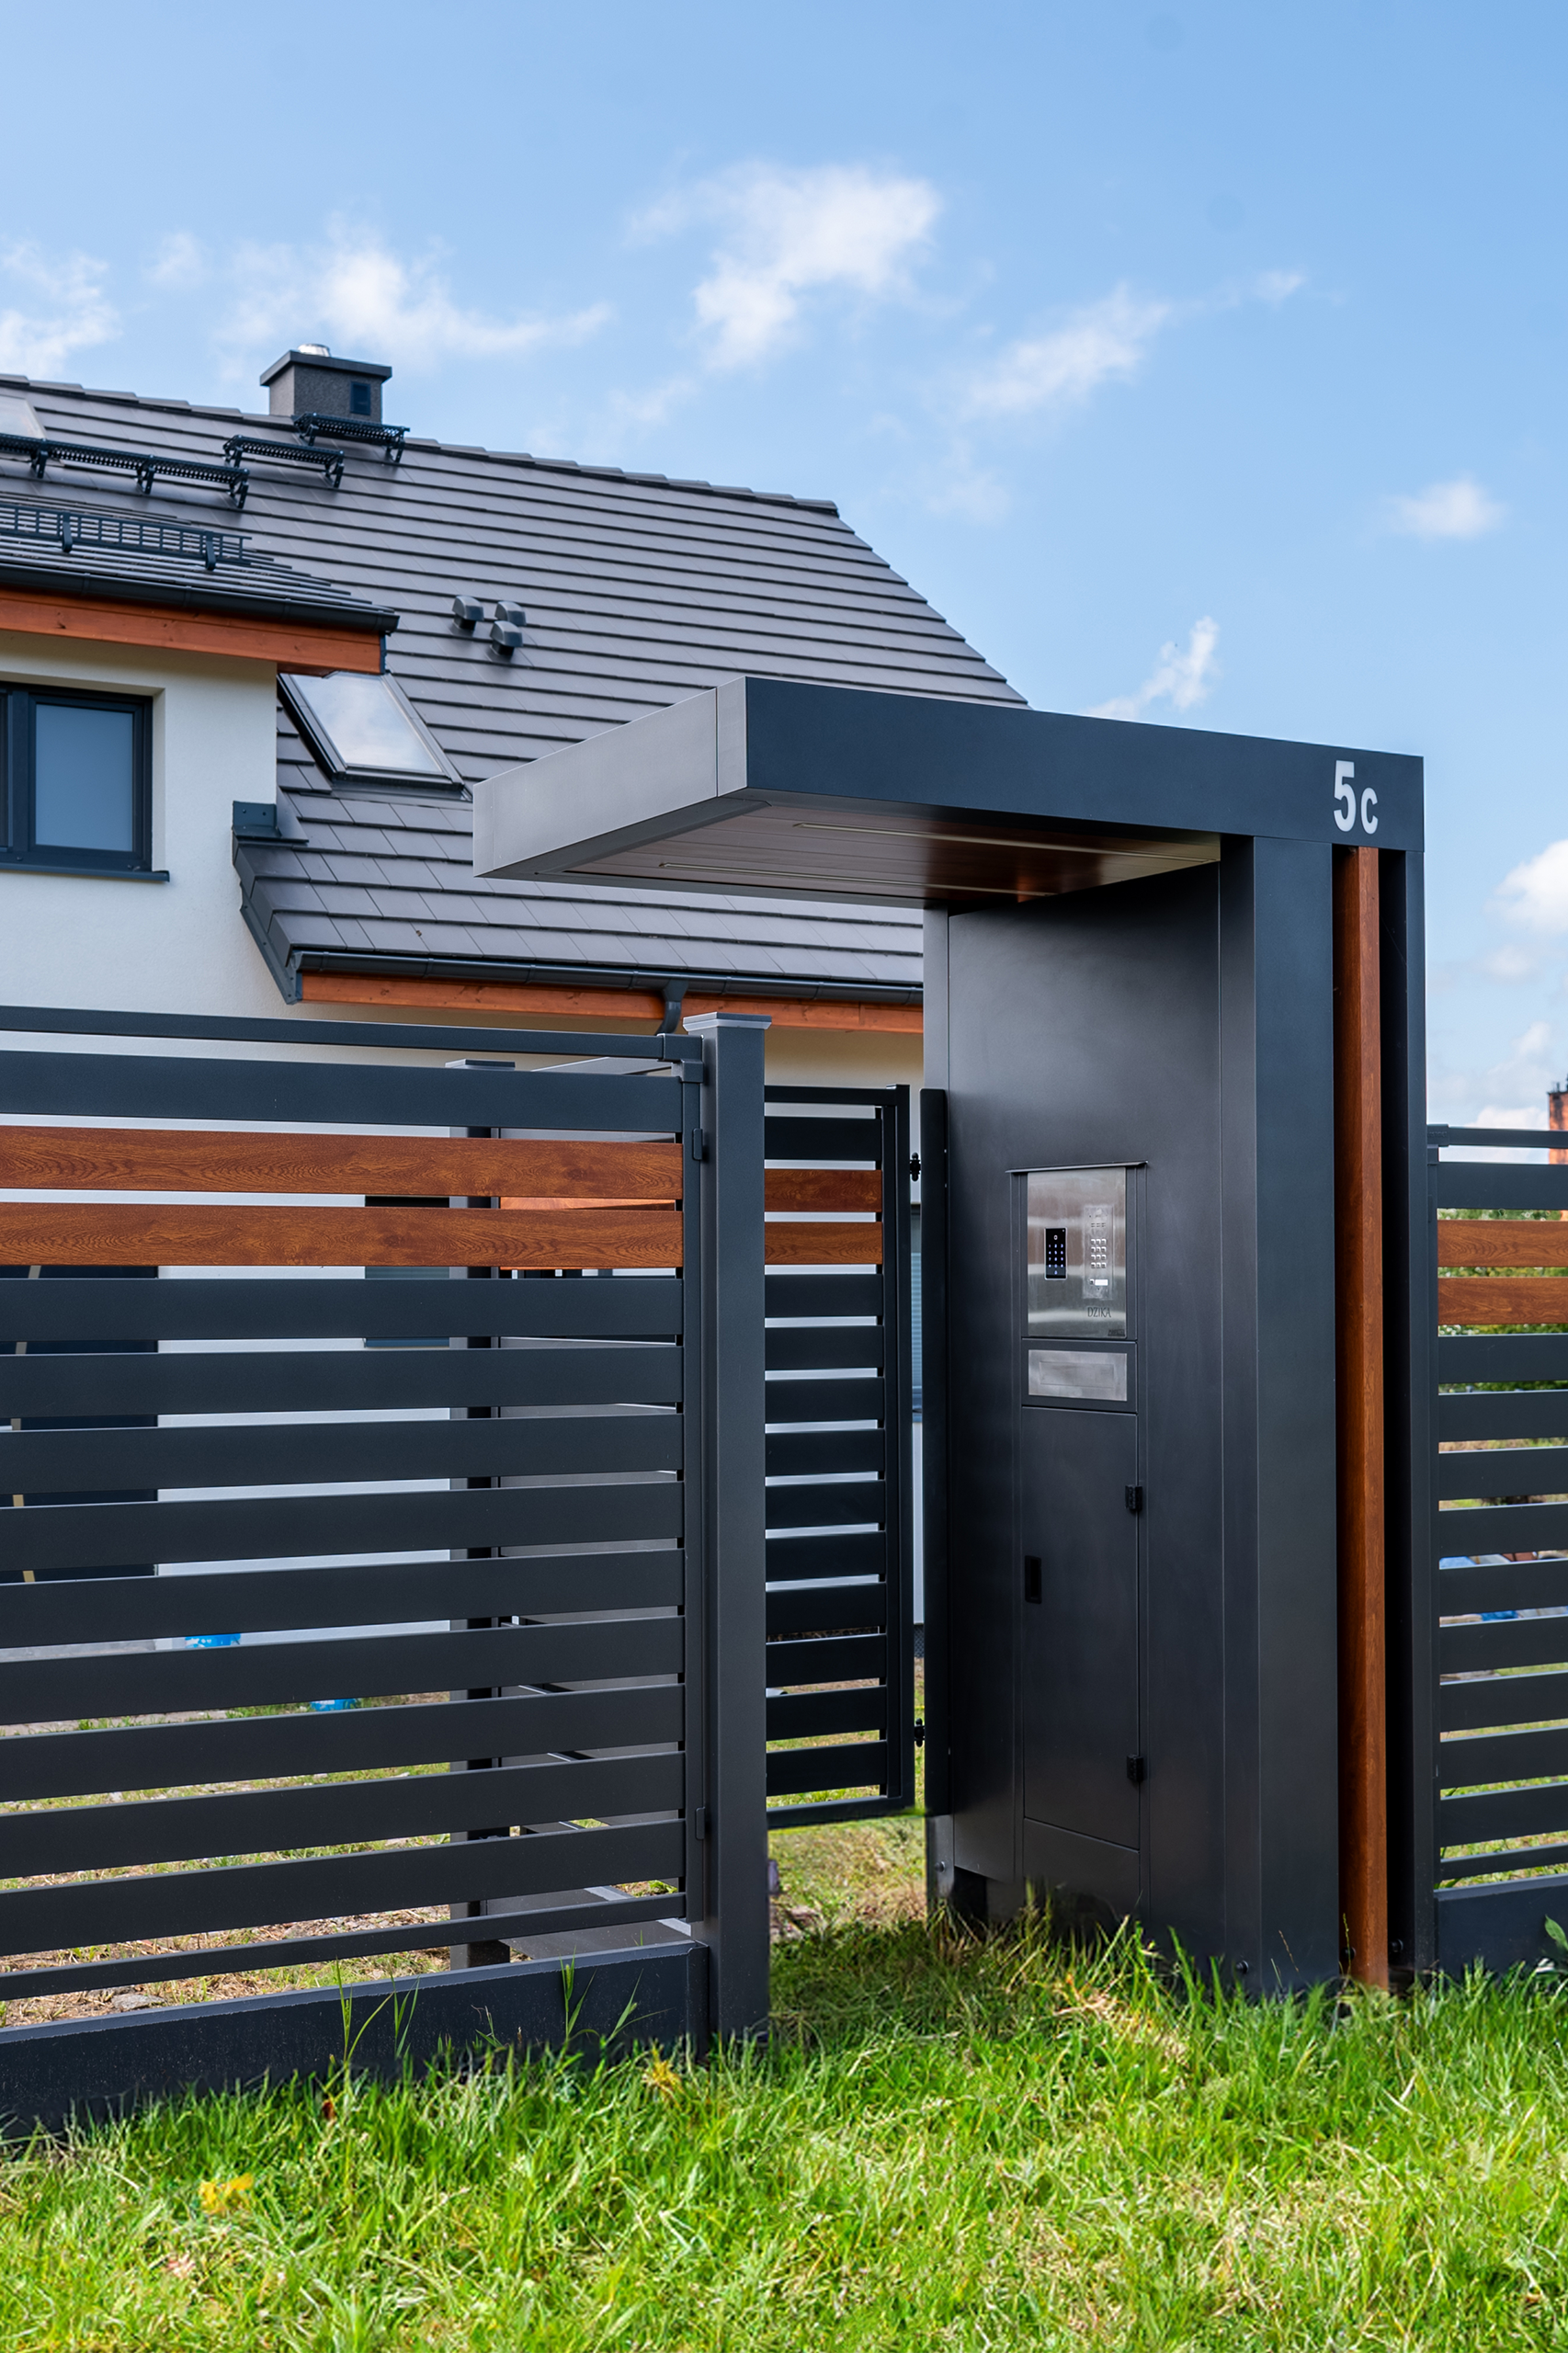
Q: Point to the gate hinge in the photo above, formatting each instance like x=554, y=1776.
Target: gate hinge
x=1134, y=1496
x=914, y=1168
x=919, y=1735
x=1137, y=1769
x=700, y=1821
x=699, y=1143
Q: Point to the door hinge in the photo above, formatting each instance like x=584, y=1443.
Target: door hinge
x=1137, y=1769
x=699, y=1143
x=914, y=1168
x=1134, y=1498
x=919, y=1735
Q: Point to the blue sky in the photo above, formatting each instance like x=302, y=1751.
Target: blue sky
x=1203, y=362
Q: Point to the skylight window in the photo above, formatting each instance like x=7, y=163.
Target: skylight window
x=365, y=730
x=16, y=415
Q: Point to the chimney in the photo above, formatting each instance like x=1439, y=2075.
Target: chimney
x=311, y=382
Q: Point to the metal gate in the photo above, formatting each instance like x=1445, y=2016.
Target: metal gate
x=384, y=1615
x=1498, y=1623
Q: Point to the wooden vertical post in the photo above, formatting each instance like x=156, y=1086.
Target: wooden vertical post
x=1358, y=1271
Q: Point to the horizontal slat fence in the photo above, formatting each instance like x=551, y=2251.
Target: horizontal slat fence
x=1500, y=1481
x=368, y=1643
x=840, y=1721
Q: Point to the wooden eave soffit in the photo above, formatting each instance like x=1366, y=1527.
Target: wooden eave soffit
x=244, y=637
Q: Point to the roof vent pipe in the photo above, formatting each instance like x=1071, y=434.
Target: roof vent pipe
x=309, y=381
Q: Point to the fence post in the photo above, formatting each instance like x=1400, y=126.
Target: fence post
x=734, y=1516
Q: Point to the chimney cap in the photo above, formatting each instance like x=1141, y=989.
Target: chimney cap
x=313, y=356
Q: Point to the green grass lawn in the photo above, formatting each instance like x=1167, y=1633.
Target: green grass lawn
x=950, y=2142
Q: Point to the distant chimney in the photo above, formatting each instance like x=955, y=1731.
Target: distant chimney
x=309, y=381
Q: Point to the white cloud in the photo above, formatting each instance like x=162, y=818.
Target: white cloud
x=179, y=263
x=1181, y=679
x=1104, y=340
x=39, y=340
x=1535, y=892
x=363, y=299
x=1460, y=509
x=1510, y=963
x=790, y=233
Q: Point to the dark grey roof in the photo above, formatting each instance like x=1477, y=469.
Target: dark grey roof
x=639, y=590
x=53, y=543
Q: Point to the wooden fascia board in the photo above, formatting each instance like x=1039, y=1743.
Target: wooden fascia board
x=601, y=1004
x=104, y=620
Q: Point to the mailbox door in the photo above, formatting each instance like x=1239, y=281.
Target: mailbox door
x=1080, y=1638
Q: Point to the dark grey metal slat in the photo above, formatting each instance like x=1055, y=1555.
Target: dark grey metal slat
x=1503, y=1471
x=1503, y=1356
x=1502, y=1756
x=67, y=1537
x=288, y=1952
x=821, y=1609
x=815, y=1453
x=802, y=1772
x=148, y=1086
x=1504, y=1414
x=214, y=1307
x=856, y=1501
x=1496, y=1862
x=819, y=1141
x=1513, y=1585
x=806, y=1347
x=303, y=1381
x=152, y=1756
x=1486, y=1820
x=1489, y=1185
x=1510, y=1642
x=860, y=1555
x=334, y=1813
x=814, y=1715
x=826, y=1401
x=254, y=1896
x=841, y=1658
x=128, y=1609
x=62, y=1461
x=281, y=1674
x=823, y=1295
x=1505, y=1700
x=1500, y=1527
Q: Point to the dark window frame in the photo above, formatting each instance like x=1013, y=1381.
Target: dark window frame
x=18, y=844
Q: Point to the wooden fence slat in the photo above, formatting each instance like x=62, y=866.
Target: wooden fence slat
x=1502, y=1299
x=1502, y=1242
x=822, y=1246
x=174, y=1160
x=136, y=1234
x=838, y=1190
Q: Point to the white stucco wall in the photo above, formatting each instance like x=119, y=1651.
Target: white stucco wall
x=174, y=946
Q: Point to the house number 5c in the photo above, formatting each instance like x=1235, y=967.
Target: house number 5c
x=1345, y=800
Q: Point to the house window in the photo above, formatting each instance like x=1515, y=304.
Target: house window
x=77, y=781
x=358, y=398
x=364, y=729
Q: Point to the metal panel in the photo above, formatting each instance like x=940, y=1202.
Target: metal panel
x=206, y=1308
x=42, y=1389
x=118, y=1086
x=863, y=1577
x=81, y=1537
x=565, y=1438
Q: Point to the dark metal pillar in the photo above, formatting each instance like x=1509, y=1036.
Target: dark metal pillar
x=729, y=1321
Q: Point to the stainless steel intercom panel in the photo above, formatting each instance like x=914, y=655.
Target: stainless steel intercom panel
x=1078, y=1505
x=1078, y=1253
